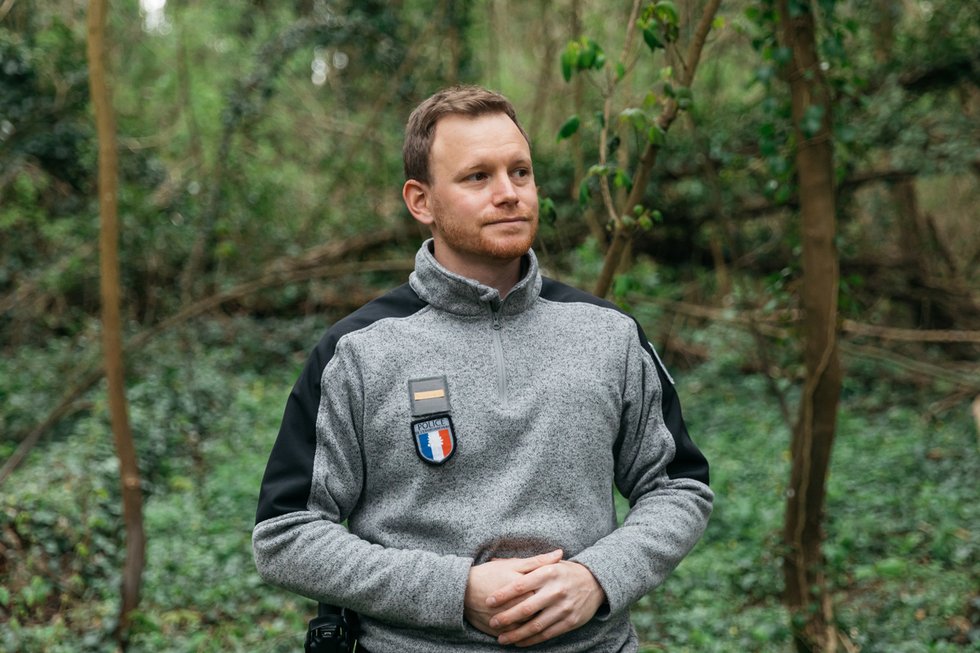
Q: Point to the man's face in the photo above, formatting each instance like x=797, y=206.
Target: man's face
x=482, y=198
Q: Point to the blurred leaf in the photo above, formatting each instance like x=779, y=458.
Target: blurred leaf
x=651, y=39
x=656, y=135
x=547, y=211
x=812, y=121
x=622, y=180
x=684, y=97
x=667, y=12
x=569, y=59
x=636, y=117
x=584, y=193
x=569, y=127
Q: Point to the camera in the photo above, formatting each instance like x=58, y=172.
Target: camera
x=334, y=630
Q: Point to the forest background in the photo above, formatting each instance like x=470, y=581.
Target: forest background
x=258, y=200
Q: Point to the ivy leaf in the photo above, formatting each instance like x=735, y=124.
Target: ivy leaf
x=612, y=146
x=546, y=210
x=622, y=180
x=569, y=58
x=636, y=117
x=846, y=134
x=684, y=97
x=590, y=55
x=622, y=284
x=651, y=39
x=586, y=57
x=570, y=127
x=667, y=12
x=657, y=136
x=584, y=193
x=812, y=120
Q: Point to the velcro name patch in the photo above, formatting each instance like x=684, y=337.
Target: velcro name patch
x=428, y=396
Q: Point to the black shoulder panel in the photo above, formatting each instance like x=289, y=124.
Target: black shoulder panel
x=688, y=461
x=289, y=473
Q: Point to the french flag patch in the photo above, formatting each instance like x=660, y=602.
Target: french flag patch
x=435, y=439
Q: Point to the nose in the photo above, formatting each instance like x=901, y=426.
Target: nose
x=504, y=191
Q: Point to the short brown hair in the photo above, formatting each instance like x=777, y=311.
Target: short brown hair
x=469, y=101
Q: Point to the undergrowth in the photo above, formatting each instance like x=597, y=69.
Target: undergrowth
x=903, y=504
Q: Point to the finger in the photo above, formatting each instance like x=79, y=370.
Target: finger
x=519, y=613
x=532, y=563
x=545, y=625
x=556, y=629
x=510, y=604
x=529, y=583
x=524, y=566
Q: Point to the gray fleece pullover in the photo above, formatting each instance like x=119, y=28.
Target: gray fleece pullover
x=448, y=427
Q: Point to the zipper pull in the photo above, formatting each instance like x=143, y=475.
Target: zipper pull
x=494, y=307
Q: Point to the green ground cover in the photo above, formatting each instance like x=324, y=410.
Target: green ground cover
x=903, y=507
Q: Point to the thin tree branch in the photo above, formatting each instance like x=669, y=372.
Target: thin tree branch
x=6, y=7
x=622, y=235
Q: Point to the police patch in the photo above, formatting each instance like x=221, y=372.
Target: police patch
x=435, y=439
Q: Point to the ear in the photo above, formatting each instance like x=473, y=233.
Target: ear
x=416, y=196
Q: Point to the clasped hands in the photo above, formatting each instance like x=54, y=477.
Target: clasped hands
x=525, y=601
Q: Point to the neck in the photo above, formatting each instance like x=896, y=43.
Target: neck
x=495, y=273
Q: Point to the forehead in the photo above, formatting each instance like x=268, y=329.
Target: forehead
x=461, y=140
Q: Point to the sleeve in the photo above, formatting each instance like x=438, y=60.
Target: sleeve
x=665, y=479
x=312, y=483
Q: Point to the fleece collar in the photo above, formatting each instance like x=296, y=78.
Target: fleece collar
x=457, y=294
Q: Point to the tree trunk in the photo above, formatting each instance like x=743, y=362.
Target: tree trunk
x=543, y=90
x=806, y=594
x=111, y=321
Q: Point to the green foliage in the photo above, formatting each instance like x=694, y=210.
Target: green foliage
x=42, y=103
x=231, y=154
x=659, y=24
x=46, y=163
x=203, y=412
x=583, y=54
x=899, y=554
x=569, y=128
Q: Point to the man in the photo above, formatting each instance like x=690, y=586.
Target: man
x=469, y=427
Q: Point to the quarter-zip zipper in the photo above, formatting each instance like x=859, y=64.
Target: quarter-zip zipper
x=498, y=351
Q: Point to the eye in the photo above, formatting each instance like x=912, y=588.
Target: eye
x=522, y=173
x=477, y=176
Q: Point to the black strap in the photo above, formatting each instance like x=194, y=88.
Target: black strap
x=334, y=630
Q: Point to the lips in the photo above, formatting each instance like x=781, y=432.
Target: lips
x=510, y=220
